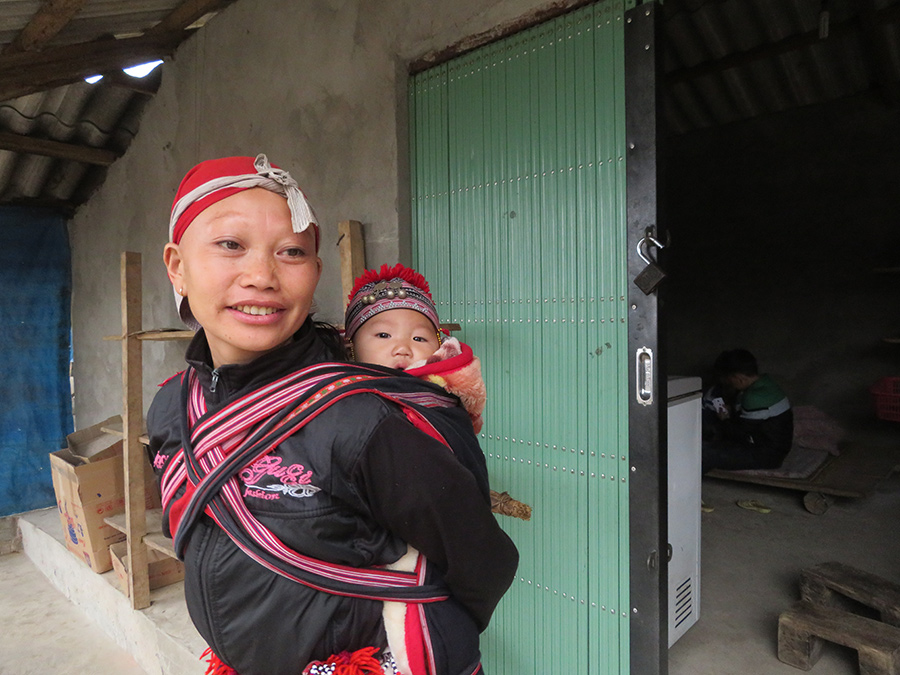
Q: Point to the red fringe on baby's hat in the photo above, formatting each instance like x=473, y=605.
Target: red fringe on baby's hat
x=386, y=273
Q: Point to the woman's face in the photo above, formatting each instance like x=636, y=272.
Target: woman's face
x=248, y=276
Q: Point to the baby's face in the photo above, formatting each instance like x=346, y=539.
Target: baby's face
x=395, y=338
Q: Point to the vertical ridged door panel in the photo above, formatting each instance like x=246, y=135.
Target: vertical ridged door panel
x=518, y=223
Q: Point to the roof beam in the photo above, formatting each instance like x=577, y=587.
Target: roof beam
x=147, y=86
x=56, y=149
x=186, y=14
x=29, y=72
x=23, y=70
x=65, y=207
x=46, y=23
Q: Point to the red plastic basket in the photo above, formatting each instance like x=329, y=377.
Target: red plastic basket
x=886, y=396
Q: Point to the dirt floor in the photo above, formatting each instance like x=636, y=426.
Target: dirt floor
x=750, y=565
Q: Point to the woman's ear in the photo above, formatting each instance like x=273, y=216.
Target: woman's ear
x=173, y=261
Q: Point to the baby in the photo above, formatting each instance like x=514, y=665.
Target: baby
x=391, y=320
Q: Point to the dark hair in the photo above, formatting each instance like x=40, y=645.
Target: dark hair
x=333, y=340
x=736, y=361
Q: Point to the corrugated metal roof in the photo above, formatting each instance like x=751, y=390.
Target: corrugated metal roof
x=723, y=61
x=92, y=116
x=729, y=60
x=58, y=139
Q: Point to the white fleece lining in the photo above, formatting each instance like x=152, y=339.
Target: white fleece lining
x=394, y=615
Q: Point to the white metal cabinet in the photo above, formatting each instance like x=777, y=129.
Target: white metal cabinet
x=684, y=456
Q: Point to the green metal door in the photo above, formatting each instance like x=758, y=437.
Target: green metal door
x=519, y=223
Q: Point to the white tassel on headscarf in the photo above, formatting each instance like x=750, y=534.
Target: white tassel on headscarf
x=302, y=215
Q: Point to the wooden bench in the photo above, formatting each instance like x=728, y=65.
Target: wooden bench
x=803, y=628
x=820, y=583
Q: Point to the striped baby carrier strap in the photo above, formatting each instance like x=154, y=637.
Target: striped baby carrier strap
x=222, y=443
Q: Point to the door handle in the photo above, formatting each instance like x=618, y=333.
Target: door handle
x=644, y=375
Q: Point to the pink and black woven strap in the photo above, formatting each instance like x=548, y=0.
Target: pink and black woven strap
x=227, y=441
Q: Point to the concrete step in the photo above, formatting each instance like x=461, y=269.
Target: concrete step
x=161, y=639
x=45, y=633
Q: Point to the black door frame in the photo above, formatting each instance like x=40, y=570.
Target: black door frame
x=646, y=410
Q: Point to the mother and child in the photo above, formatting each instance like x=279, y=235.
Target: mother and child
x=332, y=516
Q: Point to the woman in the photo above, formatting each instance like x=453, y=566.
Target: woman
x=291, y=483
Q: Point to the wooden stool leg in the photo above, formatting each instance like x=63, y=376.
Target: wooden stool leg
x=812, y=590
x=797, y=647
x=873, y=662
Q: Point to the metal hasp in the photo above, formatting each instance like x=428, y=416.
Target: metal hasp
x=648, y=517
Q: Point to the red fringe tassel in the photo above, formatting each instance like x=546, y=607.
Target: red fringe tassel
x=216, y=667
x=360, y=662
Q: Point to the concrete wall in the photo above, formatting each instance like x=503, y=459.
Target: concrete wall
x=319, y=86
x=777, y=225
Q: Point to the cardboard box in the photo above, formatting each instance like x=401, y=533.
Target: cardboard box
x=88, y=478
x=163, y=570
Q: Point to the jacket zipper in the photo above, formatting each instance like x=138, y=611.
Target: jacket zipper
x=215, y=380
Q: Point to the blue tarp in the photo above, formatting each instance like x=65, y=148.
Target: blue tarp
x=35, y=398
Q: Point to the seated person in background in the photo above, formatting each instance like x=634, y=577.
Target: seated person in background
x=747, y=419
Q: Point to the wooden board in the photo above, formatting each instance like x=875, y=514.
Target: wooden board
x=154, y=538
x=853, y=473
x=132, y=423
x=352, y=252
x=115, y=429
x=824, y=583
x=162, y=335
x=156, y=334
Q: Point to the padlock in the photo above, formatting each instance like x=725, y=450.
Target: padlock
x=649, y=277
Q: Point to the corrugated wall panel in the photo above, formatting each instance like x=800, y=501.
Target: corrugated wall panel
x=519, y=226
